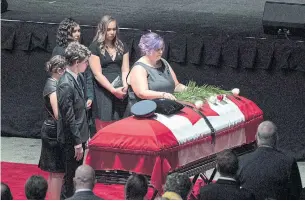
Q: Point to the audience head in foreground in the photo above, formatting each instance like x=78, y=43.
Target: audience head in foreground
x=269, y=172
x=267, y=134
x=36, y=188
x=227, y=163
x=227, y=186
x=84, y=182
x=5, y=192
x=136, y=187
x=177, y=187
x=84, y=178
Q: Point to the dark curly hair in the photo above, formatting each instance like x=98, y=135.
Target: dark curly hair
x=65, y=30
x=76, y=51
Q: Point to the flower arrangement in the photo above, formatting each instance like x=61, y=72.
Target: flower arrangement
x=197, y=94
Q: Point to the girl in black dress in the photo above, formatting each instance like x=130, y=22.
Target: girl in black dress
x=68, y=31
x=50, y=157
x=109, y=63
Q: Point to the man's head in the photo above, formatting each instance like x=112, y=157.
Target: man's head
x=36, y=188
x=178, y=183
x=227, y=163
x=84, y=177
x=5, y=192
x=77, y=56
x=267, y=134
x=136, y=187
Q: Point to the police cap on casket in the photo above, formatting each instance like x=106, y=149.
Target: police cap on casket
x=144, y=108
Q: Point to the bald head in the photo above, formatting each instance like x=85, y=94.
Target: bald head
x=84, y=177
x=266, y=134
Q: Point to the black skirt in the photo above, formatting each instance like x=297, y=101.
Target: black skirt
x=106, y=106
x=51, y=156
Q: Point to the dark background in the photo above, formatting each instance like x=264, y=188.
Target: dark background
x=215, y=42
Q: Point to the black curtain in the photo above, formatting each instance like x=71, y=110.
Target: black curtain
x=271, y=72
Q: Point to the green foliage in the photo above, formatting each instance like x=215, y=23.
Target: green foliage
x=195, y=93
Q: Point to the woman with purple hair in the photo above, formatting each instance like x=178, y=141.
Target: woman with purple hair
x=151, y=76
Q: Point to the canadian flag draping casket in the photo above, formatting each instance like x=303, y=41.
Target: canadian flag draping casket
x=160, y=144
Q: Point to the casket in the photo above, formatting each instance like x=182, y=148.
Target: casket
x=161, y=144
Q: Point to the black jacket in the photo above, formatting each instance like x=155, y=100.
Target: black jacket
x=88, y=75
x=270, y=174
x=225, y=190
x=72, y=124
x=84, y=195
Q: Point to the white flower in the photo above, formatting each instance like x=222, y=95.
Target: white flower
x=235, y=91
x=212, y=99
x=225, y=98
x=199, y=104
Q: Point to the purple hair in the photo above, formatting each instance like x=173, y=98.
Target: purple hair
x=149, y=42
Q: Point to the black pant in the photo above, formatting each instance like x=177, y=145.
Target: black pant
x=70, y=166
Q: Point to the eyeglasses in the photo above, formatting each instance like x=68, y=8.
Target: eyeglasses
x=159, y=50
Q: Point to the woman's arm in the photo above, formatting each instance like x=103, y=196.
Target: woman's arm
x=89, y=85
x=95, y=65
x=53, y=101
x=178, y=86
x=125, y=69
x=139, y=84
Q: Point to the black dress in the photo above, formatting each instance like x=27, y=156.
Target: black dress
x=106, y=106
x=58, y=50
x=50, y=157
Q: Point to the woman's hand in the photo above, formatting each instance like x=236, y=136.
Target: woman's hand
x=180, y=87
x=125, y=88
x=169, y=96
x=89, y=103
x=119, y=92
x=79, y=152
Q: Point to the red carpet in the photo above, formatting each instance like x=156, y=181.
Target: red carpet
x=16, y=174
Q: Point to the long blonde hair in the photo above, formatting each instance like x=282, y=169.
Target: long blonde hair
x=101, y=35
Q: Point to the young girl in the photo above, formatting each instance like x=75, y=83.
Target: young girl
x=50, y=158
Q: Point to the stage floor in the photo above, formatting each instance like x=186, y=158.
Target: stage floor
x=191, y=16
x=24, y=150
